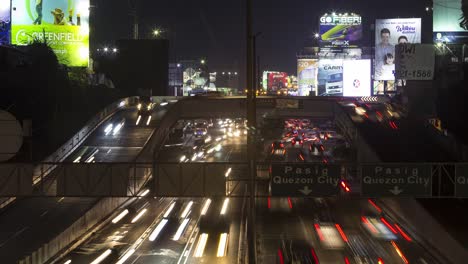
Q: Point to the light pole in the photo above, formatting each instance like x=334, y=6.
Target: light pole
x=251, y=138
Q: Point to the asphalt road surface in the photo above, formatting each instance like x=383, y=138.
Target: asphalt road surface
x=29, y=223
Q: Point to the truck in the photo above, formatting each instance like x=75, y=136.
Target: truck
x=334, y=84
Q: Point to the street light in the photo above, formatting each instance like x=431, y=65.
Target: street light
x=114, y=50
x=106, y=49
x=317, y=35
x=156, y=32
x=202, y=61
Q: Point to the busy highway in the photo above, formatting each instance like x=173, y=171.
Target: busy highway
x=320, y=230
x=148, y=229
x=176, y=230
x=117, y=139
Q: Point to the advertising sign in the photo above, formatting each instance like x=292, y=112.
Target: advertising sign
x=384, y=87
x=276, y=81
x=396, y=180
x=330, y=77
x=356, y=77
x=388, y=33
x=415, y=61
x=305, y=180
x=4, y=21
x=4, y=11
x=446, y=19
x=307, y=70
x=340, y=30
x=63, y=24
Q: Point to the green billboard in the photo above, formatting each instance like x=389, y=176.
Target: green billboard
x=62, y=24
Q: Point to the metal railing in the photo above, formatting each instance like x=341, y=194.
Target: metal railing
x=438, y=180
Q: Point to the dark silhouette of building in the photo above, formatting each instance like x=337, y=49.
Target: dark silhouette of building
x=141, y=65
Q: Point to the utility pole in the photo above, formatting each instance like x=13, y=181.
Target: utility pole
x=252, y=125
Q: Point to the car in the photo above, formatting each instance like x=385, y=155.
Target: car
x=297, y=141
x=330, y=235
x=214, y=219
x=145, y=106
x=378, y=228
x=277, y=148
x=316, y=147
x=305, y=123
x=200, y=132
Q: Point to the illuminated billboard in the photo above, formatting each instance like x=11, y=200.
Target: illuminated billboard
x=63, y=24
x=4, y=21
x=276, y=81
x=330, y=77
x=356, y=77
x=4, y=10
x=446, y=20
x=307, y=70
x=388, y=33
x=383, y=87
x=340, y=30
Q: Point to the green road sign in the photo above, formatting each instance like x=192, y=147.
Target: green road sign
x=302, y=180
x=461, y=181
x=383, y=180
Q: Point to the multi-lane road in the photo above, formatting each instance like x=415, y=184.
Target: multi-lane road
x=208, y=230
x=29, y=223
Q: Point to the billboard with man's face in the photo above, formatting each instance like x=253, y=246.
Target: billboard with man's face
x=388, y=33
x=340, y=30
x=307, y=70
x=63, y=24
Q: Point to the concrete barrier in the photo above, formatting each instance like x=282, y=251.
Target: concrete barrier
x=92, y=217
x=104, y=207
x=68, y=147
x=365, y=153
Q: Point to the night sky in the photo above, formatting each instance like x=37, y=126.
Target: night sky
x=215, y=29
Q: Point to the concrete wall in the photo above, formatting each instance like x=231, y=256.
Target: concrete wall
x=102, y=208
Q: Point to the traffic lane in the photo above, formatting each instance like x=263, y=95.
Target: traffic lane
x=213, y=232
x=275, y=225
x=144, y=250
x=40, y=226
x=164, y=248
x=117, y=154
x=228, y=152
x=30, y=223
x=407, y=142
x=121, y=234
x=348, y=214
x=304, y=212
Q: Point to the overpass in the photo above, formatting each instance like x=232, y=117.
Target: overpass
x=57, y=177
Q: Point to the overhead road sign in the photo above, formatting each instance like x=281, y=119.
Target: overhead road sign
x=392, y=180
x=304, y=180
x=461, y=181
